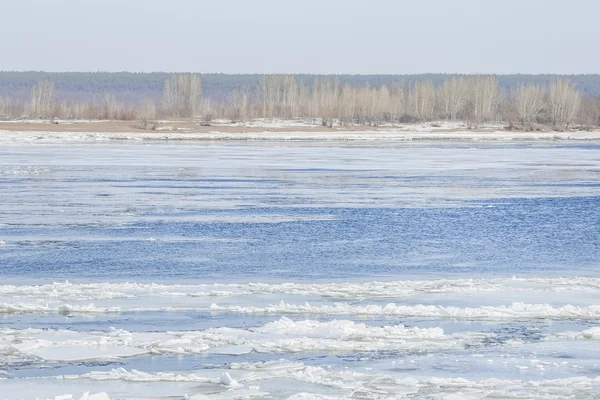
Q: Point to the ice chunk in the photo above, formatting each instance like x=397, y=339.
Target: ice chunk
x=227, y=380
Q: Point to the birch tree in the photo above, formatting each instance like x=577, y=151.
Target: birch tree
x=397, y=104
x=528, y=102
x=239, y=101
x=181, y=95
x=146, y=112
x=325, y=93
x=422, y=100
x=483, y=93
x=42, y=100
x=347, y=105
x=589, y=112
x=271, y=94
x=289, y=97
x=451, y=98
x=383, y=104
x=109, y=106
x=4, y=107
x=564, y=101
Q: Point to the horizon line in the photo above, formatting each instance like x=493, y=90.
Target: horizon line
x=300, y=73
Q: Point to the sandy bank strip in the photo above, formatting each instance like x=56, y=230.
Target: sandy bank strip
x=19, y=137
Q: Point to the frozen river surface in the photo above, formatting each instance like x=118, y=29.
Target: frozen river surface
x=297, y=270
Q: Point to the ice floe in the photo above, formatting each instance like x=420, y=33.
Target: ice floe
x=69, y=292
x=282, y=336
x=587, y=334
x=513, y=311
x=20, y=137
x=246, y=380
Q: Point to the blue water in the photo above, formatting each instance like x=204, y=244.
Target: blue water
x=513, y=236
x=302, y=212
x=381, y=211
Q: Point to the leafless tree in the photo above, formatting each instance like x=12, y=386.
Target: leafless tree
x=270, y=94
x=563, y=101
x=422, y=100
x=451, y=96
x=110, y=107
x=347, y=105
x=397, y=105
x=589, y=112
x=482, y=94
x=5, y=105
x=42, y=101
x=289, y=96
x=181, y=95
x=528, y=102
x=239, y=101
x=325, y=95
x=146, y=113
x=208, y=111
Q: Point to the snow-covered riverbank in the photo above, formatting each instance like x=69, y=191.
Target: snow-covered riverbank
x=19, y=137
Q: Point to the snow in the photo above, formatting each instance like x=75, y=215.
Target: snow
x=22, y=307
x=68, y=291
x=249, y=380
x=227, y=380
x=513, y=311
x=282, y=336
x=16, y=137
x=587, y=334
x=402, y=298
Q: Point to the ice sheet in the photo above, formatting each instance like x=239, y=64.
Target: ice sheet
x=281, y=378
x=282, y=336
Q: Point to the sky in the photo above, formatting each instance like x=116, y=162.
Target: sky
x=308, y=36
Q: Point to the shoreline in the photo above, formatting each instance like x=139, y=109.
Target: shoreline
x=271, y=130
x=16, y=137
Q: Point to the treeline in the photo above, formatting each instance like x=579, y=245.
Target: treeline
x=329, y=101
x=131, y=87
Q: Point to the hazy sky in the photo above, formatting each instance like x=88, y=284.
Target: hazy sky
x=312, y=36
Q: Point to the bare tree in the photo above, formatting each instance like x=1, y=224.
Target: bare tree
x=5, y=105
x=383, y=105
x=208, y=112
x=110, y=106
x=305, y=105
x=146, y=113
x=483, y=94
x=239, y=101
x=270, y=94
x=563, y=101
x=451, y=96
x=289, y=97
x=325, y=95
x=422, y=100
x=280, y=96
x=528, y=101
x=181, y=95
x=397, y=105
x=347, y=105
x=42, y=102
x=589, y=112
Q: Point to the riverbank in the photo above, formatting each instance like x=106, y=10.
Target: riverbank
x=44, y=131
x=7, y=137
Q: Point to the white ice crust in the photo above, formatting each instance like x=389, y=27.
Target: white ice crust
x=282, y=336
x=73, y=292
x=246, y=380
x=16, y=137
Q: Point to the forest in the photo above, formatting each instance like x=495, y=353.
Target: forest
x=521, y=101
